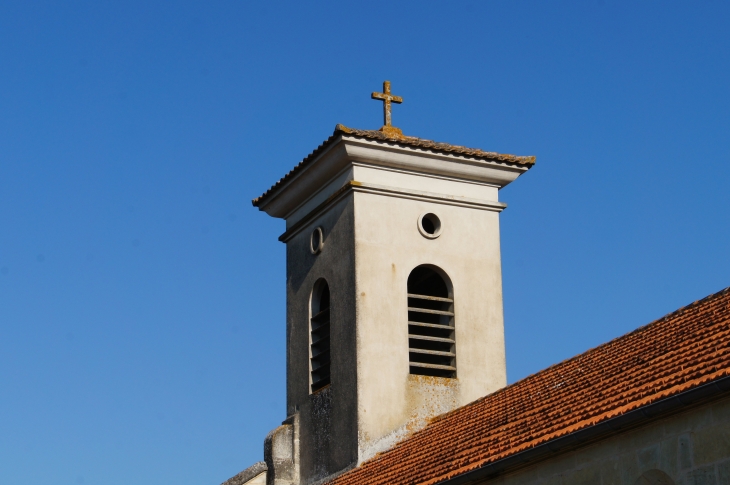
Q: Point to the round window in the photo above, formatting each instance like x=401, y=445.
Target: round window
x=316, y=240
x=429, y=225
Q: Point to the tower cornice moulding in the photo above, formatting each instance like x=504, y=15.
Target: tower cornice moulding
x=355, y=186
x=326, y=170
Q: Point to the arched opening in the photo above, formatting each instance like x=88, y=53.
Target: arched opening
x=431, y=343
x=654, y=477
x=320, y=336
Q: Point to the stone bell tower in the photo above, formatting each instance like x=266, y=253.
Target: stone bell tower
x=394, y=292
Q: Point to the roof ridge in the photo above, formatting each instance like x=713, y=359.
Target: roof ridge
x=577, y=425
x=640, y=329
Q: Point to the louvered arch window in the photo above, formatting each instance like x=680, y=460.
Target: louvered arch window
x=320, y=336
x=431, y=342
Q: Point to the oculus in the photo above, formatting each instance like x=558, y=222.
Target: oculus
x=429, y=225
x=316, y=240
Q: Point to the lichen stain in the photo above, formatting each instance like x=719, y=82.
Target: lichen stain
x=426, y=397
x=429, y=396
x=321, y=417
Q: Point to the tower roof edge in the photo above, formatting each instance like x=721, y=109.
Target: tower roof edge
x=395, y=138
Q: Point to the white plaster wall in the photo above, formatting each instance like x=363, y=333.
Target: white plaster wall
x=388, y=245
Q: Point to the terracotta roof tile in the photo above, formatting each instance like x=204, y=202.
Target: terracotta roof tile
x=409, y=141
x=676, y=353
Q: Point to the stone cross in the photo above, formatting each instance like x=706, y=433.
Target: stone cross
x=387, y=98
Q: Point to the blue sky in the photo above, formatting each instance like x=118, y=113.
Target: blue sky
x=142, y=296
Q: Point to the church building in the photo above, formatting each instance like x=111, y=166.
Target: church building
x=396, y=369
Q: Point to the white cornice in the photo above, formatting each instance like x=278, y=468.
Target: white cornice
x=318, y=174
x=354, y=186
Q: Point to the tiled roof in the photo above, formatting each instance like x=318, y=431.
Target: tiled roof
x=677, y=353
x=409, y=141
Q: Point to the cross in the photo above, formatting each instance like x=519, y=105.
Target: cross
x=387, y=98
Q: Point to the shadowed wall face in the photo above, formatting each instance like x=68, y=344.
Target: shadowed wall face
x=323, y=401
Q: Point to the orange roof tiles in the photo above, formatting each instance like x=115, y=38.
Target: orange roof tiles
x=677, y=353
x=410, y=141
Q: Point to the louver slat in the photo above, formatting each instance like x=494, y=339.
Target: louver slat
x=432, y=339
x=434, y=312
x=432, y=298
x=431, y=325
x=431, y=352
x=433, y=366
x=320, y=360
x=431, y=342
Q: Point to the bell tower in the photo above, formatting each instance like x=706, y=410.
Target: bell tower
x=394, y=292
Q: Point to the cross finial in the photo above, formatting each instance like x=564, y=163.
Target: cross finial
x=387, y=98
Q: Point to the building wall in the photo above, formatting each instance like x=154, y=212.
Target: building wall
x=691, y=448
x=327, y=418
x=372, y=243
x=391, y=402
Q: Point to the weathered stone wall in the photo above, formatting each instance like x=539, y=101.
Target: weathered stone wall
x=691, y=448
x=280, y=455
x=327, y=418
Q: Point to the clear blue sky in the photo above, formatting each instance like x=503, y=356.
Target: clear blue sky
x=142, y=296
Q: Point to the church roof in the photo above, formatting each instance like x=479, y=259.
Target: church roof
x=409, y=141
x=676, y=354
